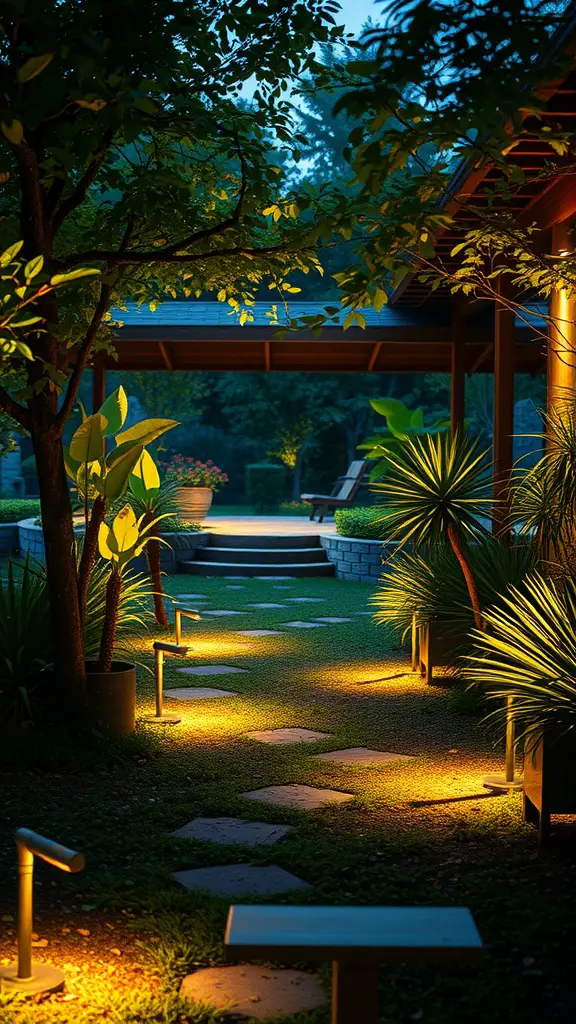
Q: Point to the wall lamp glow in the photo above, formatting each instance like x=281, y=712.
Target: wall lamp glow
x=24, y=976
x=160, y=649
x=509, y=780
x=183, y=613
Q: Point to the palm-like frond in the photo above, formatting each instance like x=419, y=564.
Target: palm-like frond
x=435, y=483
x=528, y=652
x=25, y=638
x=134, y=612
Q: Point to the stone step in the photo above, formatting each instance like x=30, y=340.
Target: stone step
x=270, y=541
x=198, y=568
x=249, y=556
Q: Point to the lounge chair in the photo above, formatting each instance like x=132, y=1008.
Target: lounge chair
x=340, y=498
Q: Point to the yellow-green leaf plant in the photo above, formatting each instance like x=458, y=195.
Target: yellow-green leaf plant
x=144, y=484
x=119, y=544
x=101, y=478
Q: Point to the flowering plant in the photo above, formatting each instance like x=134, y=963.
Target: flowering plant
x=184, y=471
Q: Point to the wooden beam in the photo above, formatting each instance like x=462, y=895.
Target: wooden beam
x=562, y=333
x=267, y=359
x=457, y=374
x=374, y=356
x=98, y=382
x=504, y=345
x=555, y=204
x=165, y=356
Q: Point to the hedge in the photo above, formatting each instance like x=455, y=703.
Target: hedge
x=12, y=510
x=359, y=522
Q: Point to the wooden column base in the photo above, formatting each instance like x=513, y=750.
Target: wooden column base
x=354, y=994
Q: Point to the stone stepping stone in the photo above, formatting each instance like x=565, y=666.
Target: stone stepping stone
x=299, y=624
x=232, y=586
x=362, y=755
x=210, y=670
x=198, y=693
x=223, y=611
x=278, y=737
x=192, y=597
x=258, y=992
x=267, y=604
x=258, y=632
x=229, y=831
x=272, y=577
x=240, y=880
x=332, y=618
x=301, y=798
x=307, y=600
x=282, y=587
x=235, y=577
x=363, y=613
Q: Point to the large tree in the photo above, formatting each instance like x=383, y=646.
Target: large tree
x=124, y=147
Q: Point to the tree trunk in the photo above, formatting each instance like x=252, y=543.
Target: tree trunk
x=297, y=478
x=89, y=550
x=59, y=544
x=113, y=589
x=154, y=568
x=460, y=552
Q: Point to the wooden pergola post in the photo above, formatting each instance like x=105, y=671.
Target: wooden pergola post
x=504, y=345
x=98, y=382
x=562, y=332
x=457, y=373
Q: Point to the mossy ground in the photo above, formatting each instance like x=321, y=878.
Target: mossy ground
x=420, y=831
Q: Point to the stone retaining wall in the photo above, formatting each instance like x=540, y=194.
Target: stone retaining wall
x=359, y=561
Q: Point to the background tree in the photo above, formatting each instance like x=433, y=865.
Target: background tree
x=123, y=147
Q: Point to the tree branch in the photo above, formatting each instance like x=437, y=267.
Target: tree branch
x=65, y=208
x=13, y=408
x=155, y=256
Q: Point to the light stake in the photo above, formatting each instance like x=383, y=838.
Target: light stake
x=160, y=649
x=187, y=613
x=508, y=781
x=24, y=976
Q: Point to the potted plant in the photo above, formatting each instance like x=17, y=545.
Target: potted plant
x=195, y=482
x=527, y=652
x=111, y=685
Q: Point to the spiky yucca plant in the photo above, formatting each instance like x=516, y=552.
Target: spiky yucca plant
x=436, y=489
x=528, y=652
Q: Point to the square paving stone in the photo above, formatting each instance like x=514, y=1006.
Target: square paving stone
x=198, y=693
x=240, y=880
x=362, y=755
x=282, y=586
x=257, y=992
x=278, y=737
x=192, y=597
x=299, y=624
x=332, y=618
x=235, y=577
x=258, y=632
x=233, y=586
x=228, y=831
x=272, y=577
x=210, y=670
x=301, y=798
x=309, y=600
x=267, y=604
x=223, y=611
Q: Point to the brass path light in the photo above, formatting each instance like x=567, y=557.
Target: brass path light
x=181, y=612
x=25, y=976
x=160, y=649
x=509, y=780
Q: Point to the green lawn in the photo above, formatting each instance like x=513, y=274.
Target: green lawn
x=420, y=831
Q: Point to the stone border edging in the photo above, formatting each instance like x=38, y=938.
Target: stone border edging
x=356, y=559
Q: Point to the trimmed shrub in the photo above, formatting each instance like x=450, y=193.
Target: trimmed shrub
x=360, y=523
x=12, y=510
x=295, y=508
x=265, y=486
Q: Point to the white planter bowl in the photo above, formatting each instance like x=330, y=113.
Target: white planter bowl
x=194, y=502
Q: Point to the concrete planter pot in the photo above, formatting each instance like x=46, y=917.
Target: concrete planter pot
x=9, y=539
x=549, y=778
x=111, y=697
x=194, y=503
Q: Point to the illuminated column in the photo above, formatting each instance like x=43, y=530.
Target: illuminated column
x=562, y=332
x=504, y=358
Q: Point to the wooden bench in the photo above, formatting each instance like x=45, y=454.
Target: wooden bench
x=356, y=940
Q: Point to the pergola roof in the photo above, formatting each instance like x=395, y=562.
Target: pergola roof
x=208, y=336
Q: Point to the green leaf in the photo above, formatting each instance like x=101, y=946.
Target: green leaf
x=116, y=479
x=26, y=323
x=14, y=132
x=34, y=66
x=87, y=444
x=71, y=465
x=72, y=275
x=33, y=267
x=145, y=480
x=9, y=254
x=146, y=431
x=114, y=410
